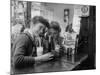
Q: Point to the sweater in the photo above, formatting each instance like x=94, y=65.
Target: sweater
x=24, y=50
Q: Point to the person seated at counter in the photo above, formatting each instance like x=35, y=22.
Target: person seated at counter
x=69, y=29
x=24, y=47
x=53, y=40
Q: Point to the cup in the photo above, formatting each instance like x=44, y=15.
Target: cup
x=57, y=47
x=39, y=51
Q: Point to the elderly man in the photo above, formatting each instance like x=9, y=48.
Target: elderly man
x=24, y=47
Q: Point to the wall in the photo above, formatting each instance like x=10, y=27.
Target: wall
x=59, y=13
x=74, y=12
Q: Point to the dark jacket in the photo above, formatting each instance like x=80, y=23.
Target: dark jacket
x=24, y=50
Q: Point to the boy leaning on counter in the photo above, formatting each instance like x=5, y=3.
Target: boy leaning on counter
x=33, y=45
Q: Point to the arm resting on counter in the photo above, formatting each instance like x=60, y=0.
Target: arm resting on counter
x=20, y=56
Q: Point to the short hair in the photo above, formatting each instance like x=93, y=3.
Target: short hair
x=40, y=19
x=55, y=25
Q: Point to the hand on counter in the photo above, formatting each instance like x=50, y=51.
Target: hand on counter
x=45, y=57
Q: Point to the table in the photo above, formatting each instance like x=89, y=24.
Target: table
x=64, y=63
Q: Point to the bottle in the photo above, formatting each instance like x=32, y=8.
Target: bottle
x=76, y=44
x=51, y=44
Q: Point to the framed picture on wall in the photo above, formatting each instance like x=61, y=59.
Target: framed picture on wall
x=66, y=15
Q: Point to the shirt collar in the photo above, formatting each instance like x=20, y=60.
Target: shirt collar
x=30, y=35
